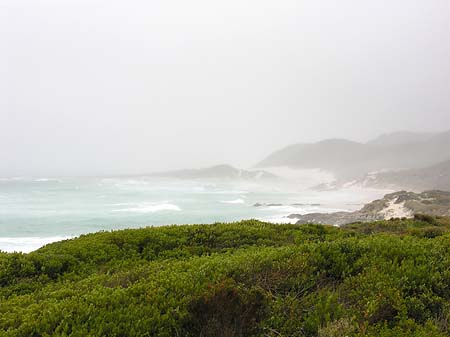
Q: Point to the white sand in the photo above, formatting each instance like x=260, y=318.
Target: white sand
x=394, y=210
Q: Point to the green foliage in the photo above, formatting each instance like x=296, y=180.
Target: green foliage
x=426, y=218
x=387, y=278
x=226, y=310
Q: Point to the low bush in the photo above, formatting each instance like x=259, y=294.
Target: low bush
x=386, y=278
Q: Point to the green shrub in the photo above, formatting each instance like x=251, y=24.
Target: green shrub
x=226, y=310
x=425, y=218
x=385, y=278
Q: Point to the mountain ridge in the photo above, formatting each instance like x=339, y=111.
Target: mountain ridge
x=353, y=160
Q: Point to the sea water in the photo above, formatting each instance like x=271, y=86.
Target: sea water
x=34, y=212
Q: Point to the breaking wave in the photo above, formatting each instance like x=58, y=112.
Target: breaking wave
x=149, y=208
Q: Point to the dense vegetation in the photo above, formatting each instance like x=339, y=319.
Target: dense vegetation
x=387, y=278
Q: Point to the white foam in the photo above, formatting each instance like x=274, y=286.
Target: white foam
x=278, y=219
x=228, y=192
x=237, y=201
x=288, y=209
x=149, y=208
x=27, y=244
x=136, y=182
x=45, y=180
x=13, y=179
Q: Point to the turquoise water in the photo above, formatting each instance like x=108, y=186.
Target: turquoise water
x=37, y=211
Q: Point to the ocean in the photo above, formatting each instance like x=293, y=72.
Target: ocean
x=34, y=212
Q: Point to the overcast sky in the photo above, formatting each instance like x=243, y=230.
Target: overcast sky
x=93, y=86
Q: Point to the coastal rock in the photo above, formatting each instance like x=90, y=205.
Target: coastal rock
x=395, y=205
x=336, y=218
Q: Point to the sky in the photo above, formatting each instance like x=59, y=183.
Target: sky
x=90, y=87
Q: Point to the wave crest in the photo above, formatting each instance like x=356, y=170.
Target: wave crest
x=27, y=244
x=237, y=201
x=150, y=208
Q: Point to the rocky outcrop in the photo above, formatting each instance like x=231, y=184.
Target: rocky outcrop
x=336, y=218
x=395, y=205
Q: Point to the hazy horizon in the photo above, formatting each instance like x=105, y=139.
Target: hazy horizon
x=250, y=166
x=106, y=87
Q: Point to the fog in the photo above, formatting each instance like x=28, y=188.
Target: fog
x=113, y=87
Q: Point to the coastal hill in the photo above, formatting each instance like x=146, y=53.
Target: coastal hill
x=223, y=171
x=394, y=205
x=332, y=155
x=433, y=177
x=352, y=160
x=401, y=137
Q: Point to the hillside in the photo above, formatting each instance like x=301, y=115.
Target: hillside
x=386, y=278
x=394, y=205
x=433, y=177
x=330, y=155
x=401, y=137
x=217, y=172
x=352, y=160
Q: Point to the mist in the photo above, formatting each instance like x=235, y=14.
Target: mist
x=108, y=87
